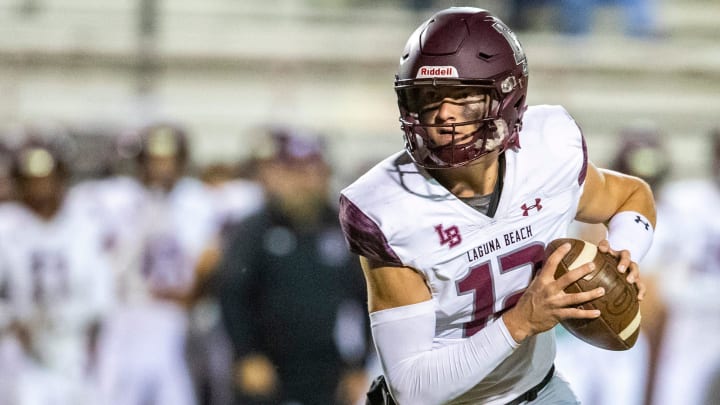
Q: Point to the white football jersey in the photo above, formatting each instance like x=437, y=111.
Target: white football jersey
x=688, y=269
x=159, y=237
x=156, y=237
x=58, y=281
x=8, y=211
x=476, y=266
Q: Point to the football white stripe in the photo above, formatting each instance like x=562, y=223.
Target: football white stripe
x=632, y=327
x=587, y=255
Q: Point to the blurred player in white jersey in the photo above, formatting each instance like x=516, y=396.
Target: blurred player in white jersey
x=452, y=231
x=689, y=256
x=166, y=220
x=623, y=378
x=58, y=280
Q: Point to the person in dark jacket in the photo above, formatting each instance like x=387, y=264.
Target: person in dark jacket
x=292, y=296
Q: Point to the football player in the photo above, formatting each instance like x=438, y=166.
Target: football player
x=58, y=279
x=452, y=230
x=688, y=260
x=166, y=219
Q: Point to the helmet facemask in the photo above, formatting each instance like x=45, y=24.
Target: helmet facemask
x=475, y=129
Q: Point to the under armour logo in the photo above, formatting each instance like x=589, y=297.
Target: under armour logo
x=536, y=206
x=639, y=220
x=449, y=236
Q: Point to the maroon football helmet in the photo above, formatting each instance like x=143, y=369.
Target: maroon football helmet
x=642, y=152
x=457, y=49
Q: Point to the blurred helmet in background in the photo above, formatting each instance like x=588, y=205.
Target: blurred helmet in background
x=162, y=154
x=42, y=150
x=642, y=152
x=41, y=170
x=462, y=49
x=163, y=140
x=290, y=146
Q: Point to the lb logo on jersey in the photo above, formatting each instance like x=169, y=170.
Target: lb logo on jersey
x=436, y=71
x=526, y=208
x=449, y=236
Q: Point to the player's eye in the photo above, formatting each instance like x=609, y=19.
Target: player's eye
x=429, y=96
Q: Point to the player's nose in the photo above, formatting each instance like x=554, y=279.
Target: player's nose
x=447, y=112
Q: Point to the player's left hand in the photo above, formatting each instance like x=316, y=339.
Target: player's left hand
x=625, y=265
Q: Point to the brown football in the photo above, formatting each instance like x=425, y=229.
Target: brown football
x=618, y=325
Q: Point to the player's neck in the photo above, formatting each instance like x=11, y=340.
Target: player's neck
x=476, y=179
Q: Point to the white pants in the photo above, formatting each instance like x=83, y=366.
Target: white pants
x=600, y=376
x=142, y=357
x=556, y=392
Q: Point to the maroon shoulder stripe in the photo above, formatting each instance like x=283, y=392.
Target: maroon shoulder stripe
x=363, y=235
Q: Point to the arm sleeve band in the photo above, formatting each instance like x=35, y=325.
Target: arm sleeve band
x=419, y=374
x=630, y=230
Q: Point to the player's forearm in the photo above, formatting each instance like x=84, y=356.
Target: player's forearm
x=608, y=192
x=419, y=374
x=640, y=200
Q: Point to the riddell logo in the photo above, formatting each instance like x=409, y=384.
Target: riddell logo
x=437, y=71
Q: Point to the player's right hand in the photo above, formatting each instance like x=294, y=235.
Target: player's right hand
x=544, y=303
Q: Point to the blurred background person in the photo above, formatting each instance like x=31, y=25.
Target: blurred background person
x=292, y=296
x=58, y=279
x=689, y=255
x=638, y=18
x=624, y=377
x=165, y=221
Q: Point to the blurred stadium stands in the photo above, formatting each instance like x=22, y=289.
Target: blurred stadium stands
x=227, y=67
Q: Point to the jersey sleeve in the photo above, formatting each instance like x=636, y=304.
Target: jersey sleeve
x=364, y=236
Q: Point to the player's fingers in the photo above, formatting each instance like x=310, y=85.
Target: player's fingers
x=624, y=261
x=604, y=246
x=578, y=313
x=575, y=275
x=642, y=289
x=633, y=272
x=581, y=297
x=548, y=269
x=623, y=256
